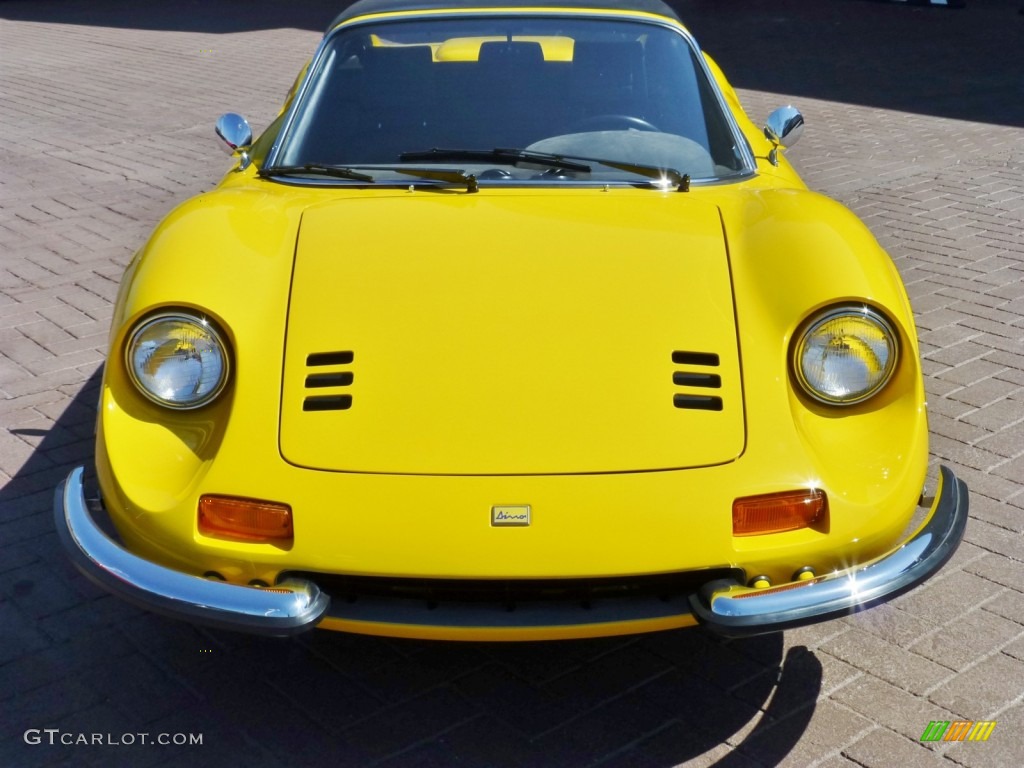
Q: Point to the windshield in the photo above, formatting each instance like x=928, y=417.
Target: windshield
x=382, y=96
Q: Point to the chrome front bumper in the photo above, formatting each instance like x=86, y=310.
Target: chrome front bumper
x=736, y=611
x=297, y=604
x=289, y=608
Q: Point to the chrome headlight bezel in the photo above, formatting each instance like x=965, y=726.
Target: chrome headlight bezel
x=814, y=329
x=207, y=331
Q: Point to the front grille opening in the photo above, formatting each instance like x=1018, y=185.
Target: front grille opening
x=508, y=595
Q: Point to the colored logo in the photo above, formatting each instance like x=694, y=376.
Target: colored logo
x=958, y=730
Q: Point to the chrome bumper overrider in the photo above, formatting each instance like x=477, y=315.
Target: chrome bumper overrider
x=291, y=607
x=736, y=611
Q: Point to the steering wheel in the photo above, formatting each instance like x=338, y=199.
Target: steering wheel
x=494, y=173
x=612, y=123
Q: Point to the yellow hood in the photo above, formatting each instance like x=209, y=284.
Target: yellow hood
x=537, y=333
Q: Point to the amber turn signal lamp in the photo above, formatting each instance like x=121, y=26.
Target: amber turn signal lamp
x=245, y=519
x=778, y=512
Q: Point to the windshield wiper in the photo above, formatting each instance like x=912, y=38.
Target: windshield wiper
x=681, y=181
x=314, y=169
x=578, y=163
x=496, y=155
x=451, y=175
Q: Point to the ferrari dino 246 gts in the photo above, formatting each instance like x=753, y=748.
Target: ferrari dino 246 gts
x=511, y=325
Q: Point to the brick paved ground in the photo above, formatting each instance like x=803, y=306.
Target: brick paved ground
x=106, y=113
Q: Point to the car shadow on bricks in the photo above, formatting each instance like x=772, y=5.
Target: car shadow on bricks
x=891, y=55
x=112, y=679
x=205, y=17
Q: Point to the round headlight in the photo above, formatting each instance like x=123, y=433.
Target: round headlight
x=846, y=355
x=177, y=361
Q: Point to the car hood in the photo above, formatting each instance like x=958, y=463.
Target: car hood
x=530, y=333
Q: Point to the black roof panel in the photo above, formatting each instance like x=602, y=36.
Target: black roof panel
x=365, y=7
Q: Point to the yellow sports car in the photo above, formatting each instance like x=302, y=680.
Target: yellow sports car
x=511, y=326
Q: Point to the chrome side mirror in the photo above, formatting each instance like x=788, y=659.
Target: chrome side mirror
x=235, y=132
x=783, y=129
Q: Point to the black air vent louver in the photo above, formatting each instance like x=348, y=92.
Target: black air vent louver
x=697, y=375
x=322, y=375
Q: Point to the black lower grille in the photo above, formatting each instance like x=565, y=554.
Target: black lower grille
x=509, y=593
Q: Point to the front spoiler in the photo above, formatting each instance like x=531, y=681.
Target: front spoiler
x=287, y=609
x=730, y=609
